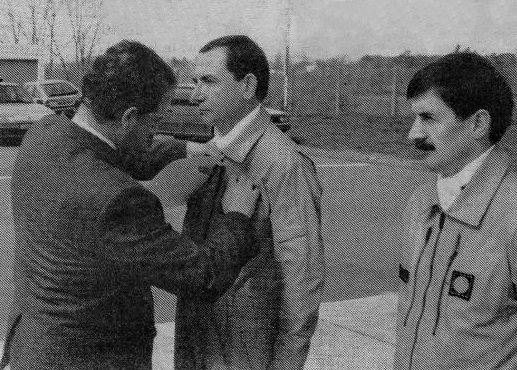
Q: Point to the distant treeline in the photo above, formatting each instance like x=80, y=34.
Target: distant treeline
x=334, y=84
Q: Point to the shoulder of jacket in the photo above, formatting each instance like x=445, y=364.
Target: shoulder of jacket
x=105, y=184
x=276, y=149
x=506, y=194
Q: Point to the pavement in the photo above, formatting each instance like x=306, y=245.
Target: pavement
x=354, y=334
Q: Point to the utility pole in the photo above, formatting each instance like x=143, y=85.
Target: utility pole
x=394, y=92
x=287, y=41
x=339, y=78
x=338, y=100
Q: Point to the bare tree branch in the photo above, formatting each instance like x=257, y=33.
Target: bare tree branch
x=85, y=20
x=69, y=29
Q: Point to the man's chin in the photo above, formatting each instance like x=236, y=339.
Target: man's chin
x=430, y=162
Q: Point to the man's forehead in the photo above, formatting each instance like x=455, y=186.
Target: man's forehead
x=210, y=62
x=427, y=101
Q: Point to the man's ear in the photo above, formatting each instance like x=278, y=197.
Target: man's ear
x=481, y=123
x=128, y=118
x=249, y=86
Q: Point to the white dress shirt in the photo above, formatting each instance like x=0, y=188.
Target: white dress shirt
x=86, y=126
x=236, y=144
x=450, y=187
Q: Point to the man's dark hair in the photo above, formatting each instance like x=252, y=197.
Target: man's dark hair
x=243, y=56
x=467, y=82
x=128, y=74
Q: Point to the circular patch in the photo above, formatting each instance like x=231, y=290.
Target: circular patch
x=461, y=284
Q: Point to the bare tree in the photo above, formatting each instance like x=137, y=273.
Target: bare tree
x=50, y=19
x=13, y=20
x=34, y=27
x=85, y=21
x=69, y=29
x=25, y=19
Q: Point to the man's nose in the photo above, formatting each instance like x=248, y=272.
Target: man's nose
x=416, y=131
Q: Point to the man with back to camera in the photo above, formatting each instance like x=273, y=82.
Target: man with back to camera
x=90, y=240
x=267, y=318
x=458, y=297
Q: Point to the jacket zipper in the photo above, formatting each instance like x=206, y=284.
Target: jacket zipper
x=451, y=260
x=427, y=237
x=440, y=228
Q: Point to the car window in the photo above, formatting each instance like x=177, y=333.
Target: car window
x=14, y=94
x=33, y=91
x=59, y=88
x=182, y=96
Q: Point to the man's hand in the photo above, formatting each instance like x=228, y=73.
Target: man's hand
x=240, y=196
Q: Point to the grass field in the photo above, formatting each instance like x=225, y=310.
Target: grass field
x=357, y=131
x=368, y=133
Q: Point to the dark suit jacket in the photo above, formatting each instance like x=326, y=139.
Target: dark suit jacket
x=90, y=242
x=267, y=317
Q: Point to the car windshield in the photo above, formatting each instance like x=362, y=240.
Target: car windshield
x=59, y=88
x=13, y=94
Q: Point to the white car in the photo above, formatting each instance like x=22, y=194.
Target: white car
x=59, y=95
x=17, y=111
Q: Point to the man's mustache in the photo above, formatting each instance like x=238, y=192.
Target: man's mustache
x=422, y=144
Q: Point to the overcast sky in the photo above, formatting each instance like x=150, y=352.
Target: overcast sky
x=320, y=28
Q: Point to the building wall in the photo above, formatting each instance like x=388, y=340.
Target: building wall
x=21, y=63
x=18, y=70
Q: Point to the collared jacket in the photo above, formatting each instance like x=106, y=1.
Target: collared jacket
x=266, y=319
x=457, y=302
x=90, y=242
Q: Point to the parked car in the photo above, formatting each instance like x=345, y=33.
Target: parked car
x=279, y=118
x=17, y=111
x=59, y=95
x=183, y=121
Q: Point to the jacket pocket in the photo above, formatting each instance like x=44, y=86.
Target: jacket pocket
x=476, y=288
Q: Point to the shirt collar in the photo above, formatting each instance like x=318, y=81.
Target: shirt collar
x=450, y=187
x=473, y=202
x=86, y=126
x=237, y=143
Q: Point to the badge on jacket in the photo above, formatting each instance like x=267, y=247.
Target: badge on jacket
x=461, y=285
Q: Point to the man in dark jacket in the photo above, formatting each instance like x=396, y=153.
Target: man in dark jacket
x=90, y=240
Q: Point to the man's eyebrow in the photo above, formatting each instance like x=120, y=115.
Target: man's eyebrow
x=425, y=114
x=205, y=78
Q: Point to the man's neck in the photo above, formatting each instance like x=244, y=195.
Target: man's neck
x=85, y=115
x=449, y=172
x=225, y=127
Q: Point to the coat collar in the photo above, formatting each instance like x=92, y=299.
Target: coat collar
x=473, y=202
x=240, y=146
x=101, y=150
x=86, y=126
